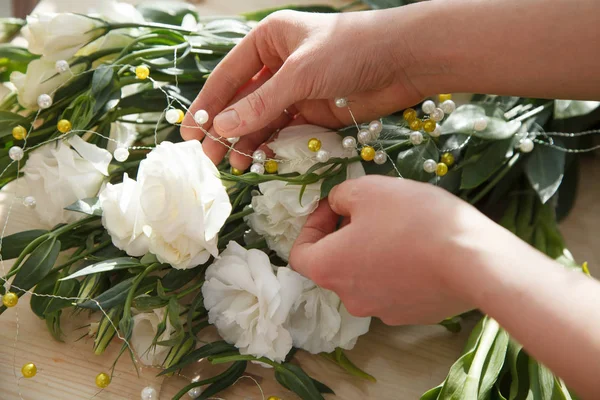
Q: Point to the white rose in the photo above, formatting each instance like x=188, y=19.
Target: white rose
x=59, y=174
x=248, y=302
x=111, y=10
x=123, y=218
x=60, y=36
x=319, y=322
x=145, y=328
x=185, y=203
x=40, y=78
x=279, y=215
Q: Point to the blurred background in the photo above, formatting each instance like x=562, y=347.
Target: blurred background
x=6, y=8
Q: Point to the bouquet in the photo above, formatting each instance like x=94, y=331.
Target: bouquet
x=158, y=244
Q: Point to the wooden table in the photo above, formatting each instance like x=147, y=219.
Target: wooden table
x=406, y=360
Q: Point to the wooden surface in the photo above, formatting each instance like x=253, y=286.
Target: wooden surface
x=406, y=360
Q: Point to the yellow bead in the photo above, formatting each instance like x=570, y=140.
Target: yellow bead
x=441, y=170
x=448, y=159
x=102, y=380
x=10, y=299
x=29, y=370
x=444, y=97
x=142, y=72
x=429, y=126
x=19, y=132
x=181, y=116
x=64, y=126
x=585, y=268
x=314, y=145
x=236, y=171
x=273, y=398
x=409, y=114
x=271, y=166
x=367, y=153
x=416, y=124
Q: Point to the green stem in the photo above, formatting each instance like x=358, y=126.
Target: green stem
x=239, y=215
x=83, y=255
x=496, y=179
x=231, y=235
x=151, y=53
x=189, y=290
x=134, y=286
x=74, y=225
x=153, y=26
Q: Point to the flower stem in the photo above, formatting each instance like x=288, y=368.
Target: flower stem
x=134, y=286
x=239, y=215
x=189, y=290
x=74, y=225
x=152, y=26
x=83, y=255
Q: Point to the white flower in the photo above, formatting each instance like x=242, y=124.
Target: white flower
x=319, y=322
x=279, y=215
x=123, y=218
x=114, y=39
x=248, y=302
x=573, y=108
x=110, y=10
x=185, y=203
x=59, y=175
x=123, y=133
x=41, y=78
x=60, y=36
x=145, y=328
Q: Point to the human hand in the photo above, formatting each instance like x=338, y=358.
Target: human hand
x=301, y=62
x=400, y=252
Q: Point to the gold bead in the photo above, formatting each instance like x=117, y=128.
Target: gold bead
x=367, y=153
x=181, y=116
x=64, y=126
x=237, y=172
x=416, y=124
x=102, y=380
x=29, y=370
x=429, y=126
x=448, y=159
x=273, y=398
x=585, y=268
x=271, y=166
x=409, y=114
x=10, y=299
x=314, y=145
x=142, y=72
x=19, y=132
x=444, y=97
x=441, y=170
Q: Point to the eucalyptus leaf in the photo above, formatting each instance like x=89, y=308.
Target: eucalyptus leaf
x=410, y=162
x=545, y=169
x=38, y=264
x=13, y=245
x=461, y=121
x=104, y=266
x=89, y=206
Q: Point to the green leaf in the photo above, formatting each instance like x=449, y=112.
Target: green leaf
x=323, y=388
x=210, y=349
x=379, y=4
x=340, y=358
x=178, y=351
x=91, y=285
x=53, y=325
x=114, y=296
x=545, y=169
x=106, y=329
x=260, y=15
x=102, y=78
x=38, y=265
x=332, y=181
x=148, y=303
x=9, y=120
x=173, y=311
x=452, y=324
x=13, y=245
x=486, y=162
x=432, y=394
x=90, y=206
x=104, y=266
x=42, y=305
x=171, y=13
x=541, y=381
x=293, y=378
x=410, y=162
x=461, y=121
x=218, y=383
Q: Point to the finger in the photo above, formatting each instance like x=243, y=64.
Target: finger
x=237, y=68
x=344, y=198
x=259, y=108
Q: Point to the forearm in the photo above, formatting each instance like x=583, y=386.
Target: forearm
x=552, y=311
x=531, y=48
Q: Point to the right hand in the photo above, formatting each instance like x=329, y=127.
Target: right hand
x=301, y=62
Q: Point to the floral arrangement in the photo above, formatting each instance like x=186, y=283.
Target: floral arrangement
x=159, y=244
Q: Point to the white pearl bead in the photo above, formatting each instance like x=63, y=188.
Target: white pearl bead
x=380, y=157
x=416, y=138
x=195, y=392
x=323, y=156
x=259, y=156
x=201, y=117
x=62, y=66
x=341, y=102
x=16, y=153
x=526, y=145
x=149, y=393
x=172, y=116
x=448, y=107
x=437, y=115
x=436, y=132
x=430, y=166
x=364, y=136
x=349, y=143
x=121, y=154
x=428, y=107
x=44, y=101
x=29, y=202
x=257, y=168
x=480, y=124
x=233, y=140
x=375, y=127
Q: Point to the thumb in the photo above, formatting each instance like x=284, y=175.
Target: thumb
x=259, y=108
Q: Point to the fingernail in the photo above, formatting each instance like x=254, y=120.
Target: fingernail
x=227, y=121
